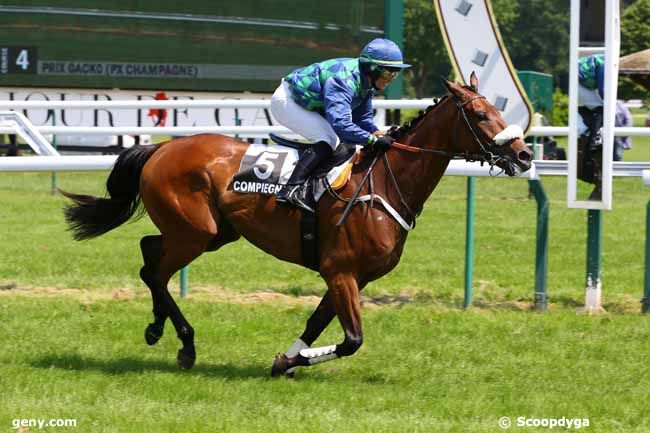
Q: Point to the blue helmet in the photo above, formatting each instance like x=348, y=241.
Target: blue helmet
x=383, y=52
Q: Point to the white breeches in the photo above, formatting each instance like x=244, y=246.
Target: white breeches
x=309, y=124
x=590, y=99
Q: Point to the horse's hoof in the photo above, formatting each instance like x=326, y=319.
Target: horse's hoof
x=280, y=365
x=152, y=334
x=185, y=361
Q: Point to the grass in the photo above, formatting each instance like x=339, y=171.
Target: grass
x=73, y=318
x=423, y=368
x=37, y=251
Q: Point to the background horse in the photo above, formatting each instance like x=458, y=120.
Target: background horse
x=185, y=186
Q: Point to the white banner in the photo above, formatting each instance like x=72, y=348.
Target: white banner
x=474, y=44
x=142, y=116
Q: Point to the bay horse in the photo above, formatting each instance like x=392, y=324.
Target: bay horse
x=184, y=186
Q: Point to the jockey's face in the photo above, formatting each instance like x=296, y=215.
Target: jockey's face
x=385, y=76
x=389, y=73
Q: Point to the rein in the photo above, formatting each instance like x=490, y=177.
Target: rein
x=487, y=155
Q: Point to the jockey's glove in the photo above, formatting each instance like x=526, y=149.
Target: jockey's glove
x=381, y=144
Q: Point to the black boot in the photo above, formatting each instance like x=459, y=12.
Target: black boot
x=294, y=192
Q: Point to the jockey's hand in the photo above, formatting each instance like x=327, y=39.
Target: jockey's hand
x=379, y=133
x=382, y=143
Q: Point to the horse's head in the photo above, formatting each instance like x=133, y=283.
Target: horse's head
x=485, y=133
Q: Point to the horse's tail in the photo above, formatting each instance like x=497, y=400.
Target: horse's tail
x=89, y=216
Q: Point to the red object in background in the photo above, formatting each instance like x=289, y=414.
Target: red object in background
x=159, y=115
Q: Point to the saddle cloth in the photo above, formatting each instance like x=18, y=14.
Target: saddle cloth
x=266, y=168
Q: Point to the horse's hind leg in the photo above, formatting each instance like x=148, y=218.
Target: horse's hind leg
x=176, y=253
x=151, y=247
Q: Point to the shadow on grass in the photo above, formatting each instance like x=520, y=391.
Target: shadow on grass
x=129, y=365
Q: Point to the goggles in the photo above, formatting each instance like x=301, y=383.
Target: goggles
x=388, y=74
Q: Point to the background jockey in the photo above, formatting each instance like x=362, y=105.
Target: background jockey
x=591, y=88
x=331, y=101
x=591, y=83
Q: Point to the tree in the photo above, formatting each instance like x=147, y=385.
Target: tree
x=424, y=49
x=526, y=27
x=635, y=27
x=535, y=33
x=635, y=36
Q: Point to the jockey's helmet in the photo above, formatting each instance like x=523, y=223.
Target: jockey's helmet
x=383, y=53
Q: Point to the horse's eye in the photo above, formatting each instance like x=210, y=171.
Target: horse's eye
x=482, y=115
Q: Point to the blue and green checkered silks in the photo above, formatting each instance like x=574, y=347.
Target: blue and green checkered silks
x=307, y=83
x=591, y=72
x=337, y=90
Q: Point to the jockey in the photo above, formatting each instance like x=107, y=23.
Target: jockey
x=591, y=85
x=331, y=101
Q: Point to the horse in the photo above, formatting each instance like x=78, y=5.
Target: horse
x=184, y=185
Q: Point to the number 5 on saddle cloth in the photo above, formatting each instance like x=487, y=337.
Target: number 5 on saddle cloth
x=265, y=169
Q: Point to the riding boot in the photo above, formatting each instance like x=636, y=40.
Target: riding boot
x=294, y=192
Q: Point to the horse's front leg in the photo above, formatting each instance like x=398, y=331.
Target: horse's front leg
x=343, y=296
x=316, y=324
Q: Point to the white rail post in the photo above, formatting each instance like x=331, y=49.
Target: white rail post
x=23, y=127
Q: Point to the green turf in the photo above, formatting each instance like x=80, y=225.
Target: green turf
x=38, y=251
x=425, y=364
x=423, y=368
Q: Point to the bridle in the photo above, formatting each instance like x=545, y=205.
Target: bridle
x=488, y=153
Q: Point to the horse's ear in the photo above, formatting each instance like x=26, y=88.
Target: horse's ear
x=473, y=81
x=448, y=84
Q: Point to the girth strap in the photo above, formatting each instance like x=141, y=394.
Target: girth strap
x=309, y=239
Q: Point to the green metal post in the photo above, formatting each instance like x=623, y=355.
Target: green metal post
x=469, y=242
x=237, y=120
x=594, y=259
x=184, y=288
x=394, y=30
x=645, y=309
x=536, y=154
x=541, y=248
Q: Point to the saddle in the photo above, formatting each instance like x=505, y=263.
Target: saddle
x=343, y=152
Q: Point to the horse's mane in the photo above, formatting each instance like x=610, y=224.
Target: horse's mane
x=398, y=132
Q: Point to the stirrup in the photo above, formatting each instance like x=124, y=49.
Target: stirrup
x=286, y=197
x=295, y=197
x=300, y=201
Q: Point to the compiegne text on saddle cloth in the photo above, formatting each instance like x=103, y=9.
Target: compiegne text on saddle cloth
x=265, y=169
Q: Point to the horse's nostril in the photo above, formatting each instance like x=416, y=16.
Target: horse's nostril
x=524, y=155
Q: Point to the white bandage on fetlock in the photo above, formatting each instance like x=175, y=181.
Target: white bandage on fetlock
x=510, y=133
x=294, y=350
x=319, y=354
